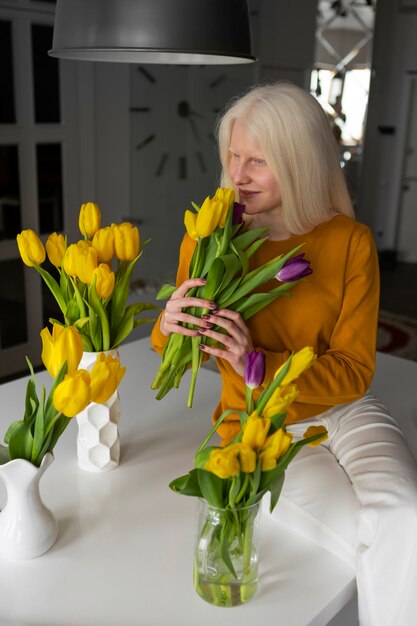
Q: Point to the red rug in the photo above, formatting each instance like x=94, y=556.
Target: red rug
x=397, y=335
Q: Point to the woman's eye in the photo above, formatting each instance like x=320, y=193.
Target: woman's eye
x=259, y=161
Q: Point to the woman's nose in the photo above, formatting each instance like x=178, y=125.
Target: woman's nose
x=239, y=173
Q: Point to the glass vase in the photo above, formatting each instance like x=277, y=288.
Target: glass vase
x=226, y=554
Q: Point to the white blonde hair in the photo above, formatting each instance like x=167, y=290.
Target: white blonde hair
x=301, y=151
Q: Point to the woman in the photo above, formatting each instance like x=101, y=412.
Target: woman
x=278, y=152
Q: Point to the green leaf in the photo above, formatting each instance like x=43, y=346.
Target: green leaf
x=53, y=287
x=72, y=313
x=276, y=488
x=20, y=442
x=4, y=455
x=202, y=456
x=211, y=487
x=187, y=485
x=224, y=546
x=257, y=277
x=96, y=305
x=39, y=430
x=277, y=421
x=246, y=238
x=269, y=390
x=165, y=292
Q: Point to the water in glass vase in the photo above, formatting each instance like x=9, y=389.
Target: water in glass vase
x=226, y=554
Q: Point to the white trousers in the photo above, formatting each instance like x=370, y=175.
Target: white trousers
x=356, y=495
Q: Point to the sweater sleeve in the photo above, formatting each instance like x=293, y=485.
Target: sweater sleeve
x=345, y=370
x=158, y=339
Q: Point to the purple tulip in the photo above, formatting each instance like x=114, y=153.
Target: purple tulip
x=254, y=369
x=238, y=210
x=294, y=269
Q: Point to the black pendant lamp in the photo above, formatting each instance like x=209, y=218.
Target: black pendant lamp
x=184, y=32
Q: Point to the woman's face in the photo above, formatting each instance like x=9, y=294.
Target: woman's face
x=253, y=180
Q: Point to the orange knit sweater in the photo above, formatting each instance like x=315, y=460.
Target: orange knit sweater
x=334, y=310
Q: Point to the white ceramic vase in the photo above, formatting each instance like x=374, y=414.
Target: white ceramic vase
x=27, y=526
x=98, y=443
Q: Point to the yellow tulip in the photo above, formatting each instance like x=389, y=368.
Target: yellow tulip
x=89, y=219
x=31, y=248
x=73, y=395
x=275, y=446
x=247, y=458
x=227, y=197
x=55, y=248
x=63, y=345
x=126, y=241
x=189, y=222
x=106, y=375
x=224, y=462
x=105, y=280
x=255, y=431
x=209, y=216
x=81, y=260
x=316, y=430
x=103, y=244
x=280, y=400
x=300, y=361
x=69, y=264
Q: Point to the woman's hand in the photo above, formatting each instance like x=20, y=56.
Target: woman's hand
x=173, y=314
x=237, y=340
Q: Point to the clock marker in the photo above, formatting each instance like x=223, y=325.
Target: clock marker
x=140, y=109
x=161, y=165
x=145, y=142
x=217, y=81
x=147, y=74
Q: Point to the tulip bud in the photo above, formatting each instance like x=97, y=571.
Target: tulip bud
x=31, y=248
x=254, y=369
x=126, y=241
x=275, y=447
x=85, y=261
x=238, y=211
x=105, y=280
x=300, y=361
x=106, y=375
x=255, y=431
x=294, y=269
x=89, y=219
x=55, y=248
x=69, y=260
x=63, y=345
x=280, y=400
x=224, y=462
x=190, y=224
x=247, y=458
x=103, y=244
x=73, y=395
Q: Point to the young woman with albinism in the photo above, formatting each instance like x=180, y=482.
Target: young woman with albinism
x=278, y=153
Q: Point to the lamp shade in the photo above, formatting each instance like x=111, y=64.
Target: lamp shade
x=153, y=31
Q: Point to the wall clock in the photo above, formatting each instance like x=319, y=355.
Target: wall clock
x=174, y=111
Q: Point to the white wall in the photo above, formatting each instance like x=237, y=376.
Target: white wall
x=394, y=63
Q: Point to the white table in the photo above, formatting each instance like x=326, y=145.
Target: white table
x=124, y=552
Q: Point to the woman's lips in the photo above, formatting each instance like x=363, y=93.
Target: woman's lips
x=246, y=194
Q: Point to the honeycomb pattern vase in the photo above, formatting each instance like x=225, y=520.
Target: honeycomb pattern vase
x=98, y=443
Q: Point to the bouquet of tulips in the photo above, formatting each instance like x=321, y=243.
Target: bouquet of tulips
x=234, y=478
x=46, y=418
x=91, y=294
x=224, y=248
